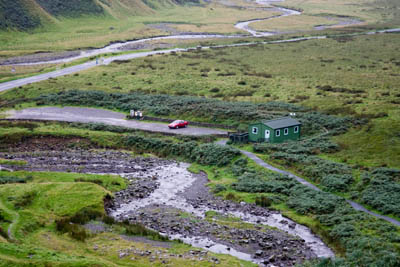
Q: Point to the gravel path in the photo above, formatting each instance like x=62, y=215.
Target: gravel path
x=88, y=115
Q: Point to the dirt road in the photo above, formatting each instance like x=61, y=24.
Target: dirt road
x=88, y=115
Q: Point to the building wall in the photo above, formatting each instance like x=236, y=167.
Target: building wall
x=260, y=135
x=256, y=137
x=283, y=138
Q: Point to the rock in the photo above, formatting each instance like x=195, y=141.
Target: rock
x=259, y=253
x=271, y=258
x=122, y=255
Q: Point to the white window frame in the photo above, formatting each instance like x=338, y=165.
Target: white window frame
x=277, y=133
x=296, y=129
x=254, y=130
x=286, y=131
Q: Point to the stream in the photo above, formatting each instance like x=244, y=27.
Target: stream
x=179, y=189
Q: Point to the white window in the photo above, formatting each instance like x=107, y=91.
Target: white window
x=254, y=130
x=286, y=131
x=278, y=133
x=296, y=129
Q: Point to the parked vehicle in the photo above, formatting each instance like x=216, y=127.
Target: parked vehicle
x=178, y=124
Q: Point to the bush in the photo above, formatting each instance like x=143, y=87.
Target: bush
x=3, y=233
x=263, y=201
x=12, y=180
x=140, y=230
x=72, y=224
x=205, y=154
x=343, y=230
x=253, y=182
x=212, y=110
x=212, y=154
x=382, y=191
x=336, y=182
x=305, y=200
x=25, y=200
x=95, y=181
x=219, y=188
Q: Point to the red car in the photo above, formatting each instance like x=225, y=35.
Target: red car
x=178, y=124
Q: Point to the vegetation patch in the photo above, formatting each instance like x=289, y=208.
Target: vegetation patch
x=206, y=154
x=352, y=233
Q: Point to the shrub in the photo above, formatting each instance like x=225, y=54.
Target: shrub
x=263, y=201
x=343, y=230
x=3, y=233
x=25, y=200
x=208, y=108
x=336, y=182
x=305, y=200
x=72, y=224
x=219, y=188
x=139, y=229
x=206, y=154
x=211, y=154
x=95, y=181
x=108, y=220
x=11, y=180
x=383, y=194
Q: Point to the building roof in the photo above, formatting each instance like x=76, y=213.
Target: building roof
x=281, y=123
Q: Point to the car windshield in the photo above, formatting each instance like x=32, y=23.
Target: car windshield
x=177, y=121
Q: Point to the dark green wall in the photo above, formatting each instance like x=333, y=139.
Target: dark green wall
x=260, y=136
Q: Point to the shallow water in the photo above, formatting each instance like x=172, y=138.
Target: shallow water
x=175, y=178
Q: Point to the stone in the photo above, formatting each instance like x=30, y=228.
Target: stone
x=259, y=252
x=271, y=258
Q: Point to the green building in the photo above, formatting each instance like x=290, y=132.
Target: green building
x=275, y=131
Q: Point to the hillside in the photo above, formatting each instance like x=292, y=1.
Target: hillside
x=29, y=14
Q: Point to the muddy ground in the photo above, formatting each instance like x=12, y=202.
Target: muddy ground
x=164, y=196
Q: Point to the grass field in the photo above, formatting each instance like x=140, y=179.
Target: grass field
x=35, y=206
x=348, y=76
x=294, y=23
x=98, y=31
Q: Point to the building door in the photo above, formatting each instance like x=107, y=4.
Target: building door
x=267, y=133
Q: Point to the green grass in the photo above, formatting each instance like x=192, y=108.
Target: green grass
x=118, y=23
x=384, y=12
x=99, y=30
x=355, y=63
x=56, y=195
x=12, y=162
x=112, y=183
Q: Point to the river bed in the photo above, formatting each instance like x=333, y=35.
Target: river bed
x=164, y=196
x=179, y=190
